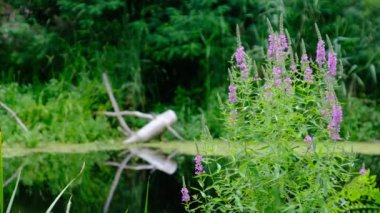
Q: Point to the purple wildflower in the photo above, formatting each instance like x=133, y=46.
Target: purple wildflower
x=240, y=61
x=271, y=45
x=337, y=115
x=304, y=59
x=277, y=44
x=239, y=55
x=278, y=82
x=308, y=75
x=308, y=139
x=277, y=71
x=185, y=194
x=363, y=171
x=330, y=96
x=321, y=53
x=198, y=164
x=331, y=63
x=334, y=125
x=232, y=94
x=284, y=43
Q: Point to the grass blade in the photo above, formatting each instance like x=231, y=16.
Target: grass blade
x=68, y=205
x=63, y=191
x=1, y=173
x=147, y=196
x=14, y=193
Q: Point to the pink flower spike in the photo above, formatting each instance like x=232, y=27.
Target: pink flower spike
x=198, y=164
x=321, y=53
x=185, y=194
x=232, y=94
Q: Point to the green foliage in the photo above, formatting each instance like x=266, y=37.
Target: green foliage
x=158, y=48
x=362, y=121
x=360, y=193
x=59, y=113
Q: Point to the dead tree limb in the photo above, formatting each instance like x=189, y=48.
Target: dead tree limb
x=142, y=115
x=14, y=115
x=153, y=128
x=116, y=182
x=115, y=106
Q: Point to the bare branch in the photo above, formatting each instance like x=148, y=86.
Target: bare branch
x=129, y=113
x=116, y=182
x=14, y=115
x=175, y=133
x=115, y=106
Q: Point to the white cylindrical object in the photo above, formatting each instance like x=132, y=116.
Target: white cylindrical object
x=153, y=128
x=156, y=159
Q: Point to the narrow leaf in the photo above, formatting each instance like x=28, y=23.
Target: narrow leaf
x=60, y=194
x=14, y=193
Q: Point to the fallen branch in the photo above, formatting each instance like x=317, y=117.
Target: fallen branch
x=14, y=115
x=129, y=113
x=115, y=106
x=116, y=182
x=141, y=115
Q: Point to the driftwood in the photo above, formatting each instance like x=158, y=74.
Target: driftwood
x=144, y=116
x=153, y=128
x=157, y=125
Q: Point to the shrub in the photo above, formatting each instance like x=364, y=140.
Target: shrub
x=289, y=99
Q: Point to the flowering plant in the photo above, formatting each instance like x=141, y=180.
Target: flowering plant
x=286, y=101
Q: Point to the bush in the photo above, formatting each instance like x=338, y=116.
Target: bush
x=285, y=101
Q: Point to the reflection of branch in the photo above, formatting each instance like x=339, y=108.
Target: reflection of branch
x=138, y=167
x=141, y=115
x=156, y=159
x=115, y=106
x=116, y=182
x=14, y=176
x=14, y=115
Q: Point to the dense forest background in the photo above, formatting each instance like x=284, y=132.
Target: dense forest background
x=174, y=53
x=162, y=54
